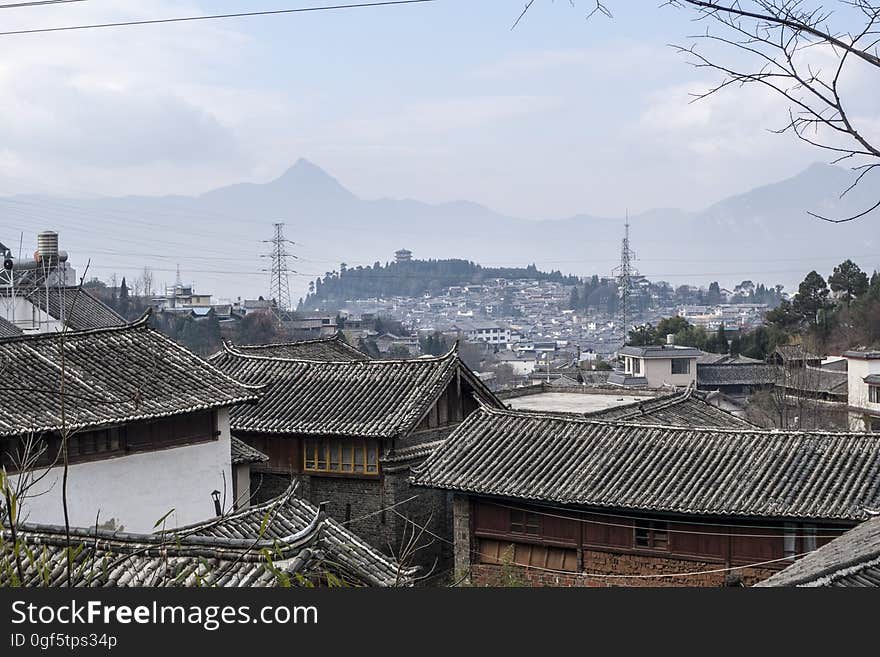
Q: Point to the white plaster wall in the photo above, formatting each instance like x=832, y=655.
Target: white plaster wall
x=521, y=367
x=242, y=474
x=137, y=490
x=27, y=316
x=658, y=371
x=857, y=370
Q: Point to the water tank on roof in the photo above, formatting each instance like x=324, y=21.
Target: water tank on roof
x=47, y=245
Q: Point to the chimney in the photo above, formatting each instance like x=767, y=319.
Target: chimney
x=670, y=339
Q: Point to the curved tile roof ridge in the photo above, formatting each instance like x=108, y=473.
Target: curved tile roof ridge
x=569, y=417
x=232, y=350
x=185, y=536
x=139, y=323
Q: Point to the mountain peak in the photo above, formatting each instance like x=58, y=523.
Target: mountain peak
x=307, y=177
x=304, y=166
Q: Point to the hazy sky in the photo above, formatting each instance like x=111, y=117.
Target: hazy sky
x=437, y=102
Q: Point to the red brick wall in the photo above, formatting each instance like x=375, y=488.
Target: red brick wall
x=615, y=564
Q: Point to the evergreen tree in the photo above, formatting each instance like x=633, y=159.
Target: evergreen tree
x=811, y=298
x=721, y=343
x=849, y=280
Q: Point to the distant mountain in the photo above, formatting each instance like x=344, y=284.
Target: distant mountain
x=763, y=234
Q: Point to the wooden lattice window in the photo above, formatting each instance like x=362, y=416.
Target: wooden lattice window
x=341, y=456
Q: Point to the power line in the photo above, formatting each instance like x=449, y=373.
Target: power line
x=38, y=3
x=279, y=285
x=182, y=19
x=832, y=532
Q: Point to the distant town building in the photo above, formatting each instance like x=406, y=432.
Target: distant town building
x=863, y=378
x=403, y=255
x=491, y=333
x=655, y=366
x=38, y=294
x=320, y=326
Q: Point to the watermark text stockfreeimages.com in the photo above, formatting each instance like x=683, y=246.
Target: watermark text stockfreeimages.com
x=209, y=617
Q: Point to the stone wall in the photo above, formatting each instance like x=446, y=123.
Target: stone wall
x=365, y=505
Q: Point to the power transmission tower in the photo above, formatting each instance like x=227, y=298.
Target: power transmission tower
x=625, y=273
x=279, y=284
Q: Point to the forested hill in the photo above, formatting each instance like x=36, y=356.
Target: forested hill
x=411, y=278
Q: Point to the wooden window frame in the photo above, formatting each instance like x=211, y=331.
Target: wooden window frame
x=356, y=457
x=654, y=535
x=873, y=394
x=527, y=521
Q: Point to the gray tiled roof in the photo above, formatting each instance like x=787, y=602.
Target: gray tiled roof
x=332, y=348
x=852, y=560
x=815, y=380
x=660, y=351
x=80, y=310
x=687, y=408
x=794, y=352
x=348, y=554
x=628, y=380
x=708, y=358
x=229, y=551
x=111, y=376
x=862, y=354
x=372, y=398
x=8, y=329
x=106, y=558
x=750, y=374
x=721, y=472
x=243, y=454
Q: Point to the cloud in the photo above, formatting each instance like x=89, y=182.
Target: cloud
x=436, y=118
x=108, y=105
x=608, y=60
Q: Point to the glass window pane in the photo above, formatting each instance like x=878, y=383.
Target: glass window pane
x=310, y=454
x=322, y=455
x=789, y=543
x=359, y=458
x=347, y=456
x=334, y=455
x=372, y=458
x=809, y=538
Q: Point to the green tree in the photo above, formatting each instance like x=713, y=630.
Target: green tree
x=641, y=336
x=812, y=297
x=783, y=317
x=259, y=327
x=849, y=280
x=713, y=297
x=671, y=325
x=721, y=344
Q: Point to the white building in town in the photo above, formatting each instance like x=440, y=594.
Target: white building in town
x=863, y=388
